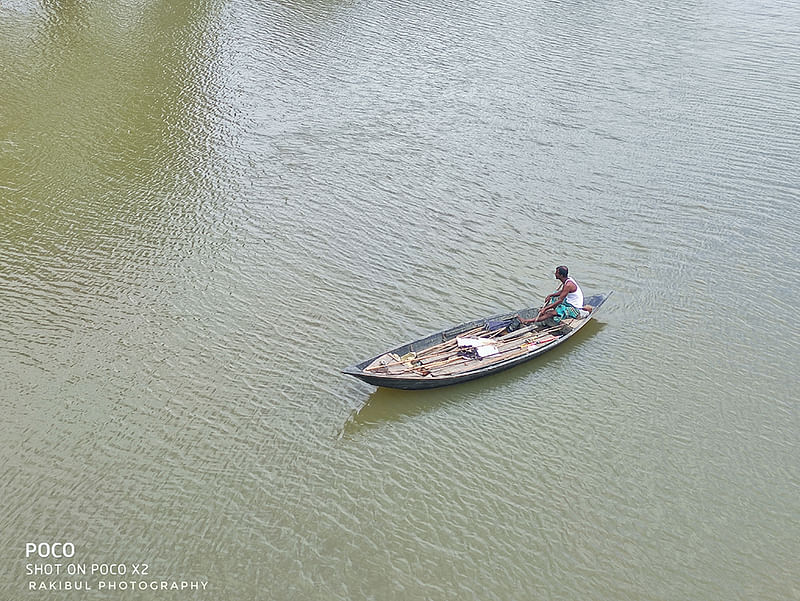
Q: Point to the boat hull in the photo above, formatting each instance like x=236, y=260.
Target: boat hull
x=419, y=382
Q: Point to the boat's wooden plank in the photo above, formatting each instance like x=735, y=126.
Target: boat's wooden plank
x=460, y=362
x=380, y=362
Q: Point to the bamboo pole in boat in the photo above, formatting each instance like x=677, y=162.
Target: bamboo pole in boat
x=446, y=343
x=445, y=350
x=524, y=331
x=510, y=343
x=449, y=361
x=509, y=351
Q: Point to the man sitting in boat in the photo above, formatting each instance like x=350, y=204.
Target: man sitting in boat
x=564, y=303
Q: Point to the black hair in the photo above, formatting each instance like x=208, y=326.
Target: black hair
x=562, y=270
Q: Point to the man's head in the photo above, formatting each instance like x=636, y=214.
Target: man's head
x=561, y=272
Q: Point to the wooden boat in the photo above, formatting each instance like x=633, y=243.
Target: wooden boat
x=470, y=350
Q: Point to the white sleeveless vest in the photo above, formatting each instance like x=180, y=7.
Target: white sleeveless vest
x=575, y=298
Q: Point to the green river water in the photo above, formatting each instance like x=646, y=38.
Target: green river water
x=208, y=209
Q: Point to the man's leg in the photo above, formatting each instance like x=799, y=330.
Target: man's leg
x=546, y=315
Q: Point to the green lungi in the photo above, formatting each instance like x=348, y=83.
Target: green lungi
x=564, y=311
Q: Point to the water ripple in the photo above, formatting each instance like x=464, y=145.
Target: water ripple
x=207, y=211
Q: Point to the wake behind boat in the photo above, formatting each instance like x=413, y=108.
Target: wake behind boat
x=470, y=350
